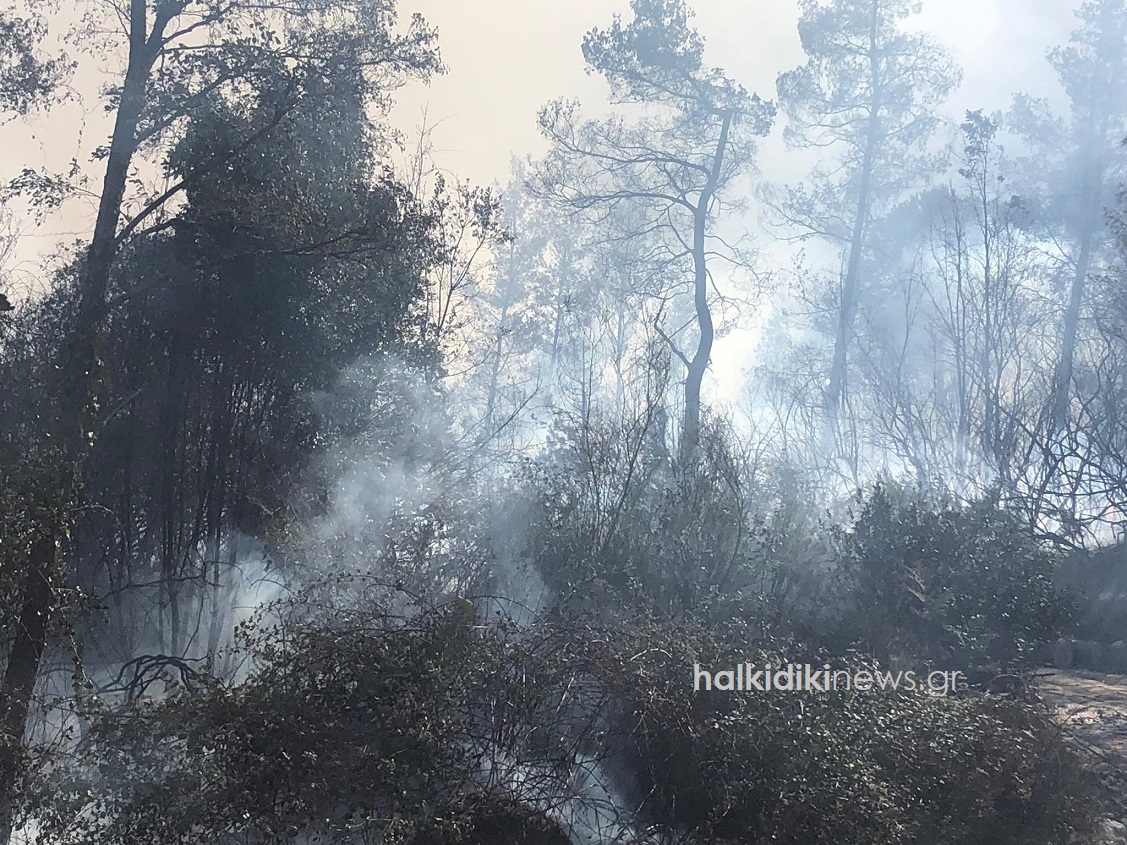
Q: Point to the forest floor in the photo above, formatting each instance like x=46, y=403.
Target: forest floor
x=1094, y=707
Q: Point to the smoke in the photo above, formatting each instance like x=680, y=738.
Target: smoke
x=520, y=592
x=406, y=507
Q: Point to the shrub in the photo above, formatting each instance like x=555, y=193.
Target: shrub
x=964, y=585
x=859, y=767
x=441, y=731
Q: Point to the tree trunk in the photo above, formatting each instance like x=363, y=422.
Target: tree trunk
x=1092, y=183
x=495, y=370
x=1063, y=375
x=851, y=283
x=104, y=246
x=23, y=669
x=697, y=366
x=70, y=424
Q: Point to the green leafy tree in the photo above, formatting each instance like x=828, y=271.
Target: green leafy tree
x=661, y=167
x=181, y=58
x=27, y=79
x=1076, y=164
x=865, y=100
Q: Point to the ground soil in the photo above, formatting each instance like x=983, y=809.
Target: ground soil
x=1093, y=706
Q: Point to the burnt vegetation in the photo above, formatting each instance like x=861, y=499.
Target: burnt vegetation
x=343, y=501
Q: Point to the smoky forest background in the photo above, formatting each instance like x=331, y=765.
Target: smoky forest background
x=345, y=500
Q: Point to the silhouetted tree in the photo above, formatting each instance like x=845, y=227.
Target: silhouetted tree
x=672, y=166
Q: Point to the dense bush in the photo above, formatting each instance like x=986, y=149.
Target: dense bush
x=911, y=578
x=615, y=525
x=440, y=730
x=961, y=585
x=877, y=767
x=338, y=732
x=711, y=564
x=432, y=726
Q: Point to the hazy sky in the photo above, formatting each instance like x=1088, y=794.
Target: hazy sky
x=507, y=58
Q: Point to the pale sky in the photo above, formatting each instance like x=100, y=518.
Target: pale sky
x=507, y=58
